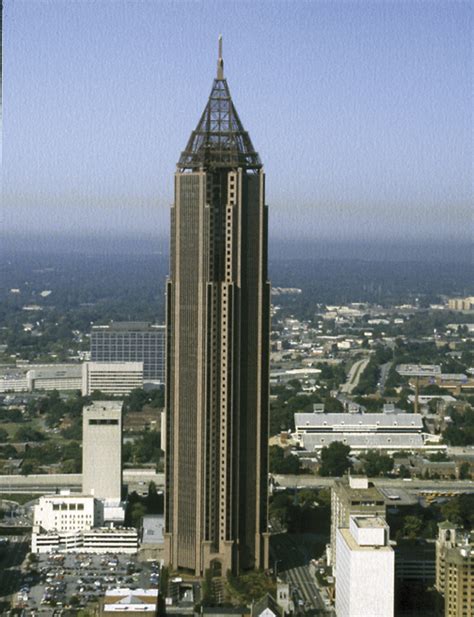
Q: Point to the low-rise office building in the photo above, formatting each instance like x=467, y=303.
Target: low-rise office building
x=66, y=512
x=13, y=380
x=115, y=378
x=99, y=540
x=61, y=377
x=69, y=522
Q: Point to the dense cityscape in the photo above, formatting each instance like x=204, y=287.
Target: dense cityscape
x=326, y=360
x=214, y=424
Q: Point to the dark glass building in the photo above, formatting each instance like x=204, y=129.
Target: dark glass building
x=131, y=341
x=218, y=313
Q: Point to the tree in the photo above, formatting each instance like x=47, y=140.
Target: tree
x=332, y=405
x=25, y=433
x=460, y=510
x=27, y=468
x=464, y=471
x=281, y=464
x=3, y=435
x=138, y=511
x=412, y=527
x=136, y=400
x=403, y=472
x=376, y=464
x=335, y=459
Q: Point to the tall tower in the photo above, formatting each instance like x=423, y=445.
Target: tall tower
x=218, y=314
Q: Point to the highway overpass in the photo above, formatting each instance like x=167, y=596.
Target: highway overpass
x=39, y=484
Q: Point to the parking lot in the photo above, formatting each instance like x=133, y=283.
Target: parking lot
x=56, y=581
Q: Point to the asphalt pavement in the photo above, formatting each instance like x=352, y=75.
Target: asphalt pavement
x=292, y=554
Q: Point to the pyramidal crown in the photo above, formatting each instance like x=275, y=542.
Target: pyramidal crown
x=219, y=140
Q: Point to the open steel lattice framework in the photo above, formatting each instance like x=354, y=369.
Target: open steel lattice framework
x=219, y=140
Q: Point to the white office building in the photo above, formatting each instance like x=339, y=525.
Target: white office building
x=13, y=380
x=102, y=451
x=66, y=512
x=116, y=378
x=99, y=540
x=365, y=569
x=55, y=377
x=74, y=523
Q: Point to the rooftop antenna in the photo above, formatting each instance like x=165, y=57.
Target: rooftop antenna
x=220, y=61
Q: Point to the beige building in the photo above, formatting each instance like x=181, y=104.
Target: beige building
x=218, y=321
x=455, y=570
x=115, y=378
x=102, y=450
x=461, y=304
x=349, y=496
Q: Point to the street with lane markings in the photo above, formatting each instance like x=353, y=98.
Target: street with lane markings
x=291, y=555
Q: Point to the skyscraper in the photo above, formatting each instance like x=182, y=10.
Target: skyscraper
x=218, y=313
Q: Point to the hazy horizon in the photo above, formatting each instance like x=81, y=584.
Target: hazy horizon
x=361, y=112
x=441, y=251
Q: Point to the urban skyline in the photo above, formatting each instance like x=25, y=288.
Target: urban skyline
x=365, y=111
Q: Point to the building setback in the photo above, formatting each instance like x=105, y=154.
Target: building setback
x=131, y=341
x=218, y=307
x=352, y=495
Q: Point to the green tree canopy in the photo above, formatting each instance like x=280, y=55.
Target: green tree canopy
x=377, y=464
x=335, y=459
x=281, y=464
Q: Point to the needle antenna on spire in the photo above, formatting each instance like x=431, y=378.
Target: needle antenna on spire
x=220, y=61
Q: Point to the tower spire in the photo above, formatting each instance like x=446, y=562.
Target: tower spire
x=220, y=61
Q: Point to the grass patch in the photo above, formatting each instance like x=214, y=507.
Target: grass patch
x=19, y=498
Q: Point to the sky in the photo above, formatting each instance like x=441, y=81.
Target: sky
x=362, y=112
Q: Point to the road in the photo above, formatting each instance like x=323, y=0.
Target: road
x=353, y=377
x=291, y=555
x=39, y=484
x=384, y=371
x=309, y=481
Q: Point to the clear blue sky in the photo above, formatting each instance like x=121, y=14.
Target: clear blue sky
x=361, y=112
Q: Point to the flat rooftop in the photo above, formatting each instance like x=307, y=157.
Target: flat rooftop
x=355, y=421
x=352, y=544
x=128, y=326
x=153, y=529
x=419, y=370
x=369, y=522
x=98, y=406
x=371, y=493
